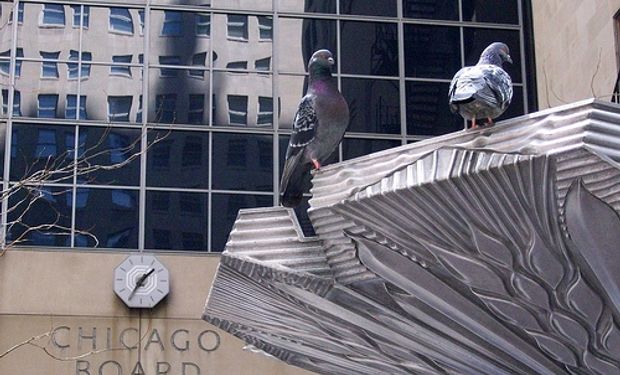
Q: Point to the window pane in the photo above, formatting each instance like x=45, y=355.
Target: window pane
x=496, y=11
x=265, y=27
x=193, y=27
x=47, y=106
x=375, y=54
x=428, y=112
x=72, y=105
x=203, y=24
x=373, y=105
x=323, y=6
x=248, y=38
x=477, y=39
x=53, y=15
x=119, y=31
x=237, y=98
x=369, y=7
x=242, y=162
x=178, y=100
x=121, y=21
x=81, y=15
x=111, y=215
x=188, y=232
x=437, y=9
x=178, y=159
x=352, y=148
x=37, y=146
x=41, y=99
x=120, y=69
x=300, y=38
x=432, y=51
x=119, y=108
x=173, y=24
x=45, y=207
x=225, y=209
x=49, y=69
x=237, y=26
x=114, y=148
x=44, y=28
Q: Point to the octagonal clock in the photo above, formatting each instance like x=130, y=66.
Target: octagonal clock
x=141, y=281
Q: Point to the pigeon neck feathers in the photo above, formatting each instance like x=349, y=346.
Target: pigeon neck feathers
x=321, y=79
x=490, y=58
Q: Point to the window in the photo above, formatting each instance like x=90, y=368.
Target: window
x=46, y=144
x=192, y=241
x=5, y=65
x=141, y=18
x=173, y=24
x=265, y=27
x=195, y=114
x=49, y=69
x=118, y=147
x=72, y=72
x=121, y=70
x=198, y=60
x=236, y=155
x=203, y=25
x=16, y=103
x=121, y=21
x=80, y=15
x=139, y=113
x=169, y=60
x=161, y=155
x=71, y=107
x=237, y=65
x=46, y=105
x=192, y=152
x=53, y=15
x=119, y=108
x=238, y=109
x=70, y=146
x=265, y=111
x=166, y=108
x=20, y=14
x=237, y=27
x=263, y=64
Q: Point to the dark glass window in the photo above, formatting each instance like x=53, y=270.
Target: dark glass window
x=237, y=26
x=173, y=24
x=308, y=35
x=79, y=16
x=352, y=148
x=121, y=21
x=432, y=51
x=239, y=162
x=435, y=9
x=119, y=108
x=195, y=113
x=72, y=68
x=477, y=39
x=263, y=64
x=121, y=70
x=373, y=105
x=369, y=7
x=49, y=69
x=53, y=15
x=427, y=109
x=265, y=111
x=166, y=108
x=375, y=54
x=20, y=14
x=321, y=6
x=203, y=24
x=110, y=215
x=5, y=65
x=238, y=109
x=237, y=65
x=495, y=11
x=71, y=107
x=265, y=27
x=47, y=105
x=169, y=60
x=16, y=103
x=225, y=210
x=178, y=159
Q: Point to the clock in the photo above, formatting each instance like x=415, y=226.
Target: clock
x=141, y=281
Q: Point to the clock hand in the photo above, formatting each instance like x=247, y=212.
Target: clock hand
x=140, y=281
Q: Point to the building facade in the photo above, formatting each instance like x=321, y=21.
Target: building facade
x=195, y=100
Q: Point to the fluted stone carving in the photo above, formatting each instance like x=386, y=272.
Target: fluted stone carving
x=480, y=252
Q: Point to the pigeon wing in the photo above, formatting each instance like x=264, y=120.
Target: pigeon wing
x=304, y=127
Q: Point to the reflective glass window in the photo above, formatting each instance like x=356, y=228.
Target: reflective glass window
x=265, y=27
x=238, y=109
x=110, y=216
x=265, y=111
x=71, y=107
x=173, y=24
x=321, y=6
x=81, y=15
x=236, y=95
x=53, y=15
x=167, y=108
x=495, y=11
x=237, y=65
x=16, y=103
x=196, y=110
x=237, y=26
x=47, y=105
x=203, y=24
x=178, y=159
x=242, y=162
x=301, y=37
x=20, y=14
x=352, y=148
x=49, y=69
x=432, y=51
x=385, y=8
x=119, y=108
x=375, y=54
x=141, y=20
x=435, y=9
x=120, y=69
x=72, y=68
x=263, y=64
x=5, y=65
x=121, y=21
x=225, y=210
x=373, y=105
x=427, y=110
x=169, y=60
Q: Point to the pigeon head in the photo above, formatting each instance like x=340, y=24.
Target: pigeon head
x=496, y=54
x=320, y=64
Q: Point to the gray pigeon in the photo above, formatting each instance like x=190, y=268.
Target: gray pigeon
x=321, y=120
x=485, y=89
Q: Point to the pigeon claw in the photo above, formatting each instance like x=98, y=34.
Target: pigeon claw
x=473, y=123
x=490, y=121
x=316, y=164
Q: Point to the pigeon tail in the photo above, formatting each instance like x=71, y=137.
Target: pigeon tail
x=292, y=183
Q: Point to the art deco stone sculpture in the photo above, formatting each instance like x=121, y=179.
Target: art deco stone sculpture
x=494, y=251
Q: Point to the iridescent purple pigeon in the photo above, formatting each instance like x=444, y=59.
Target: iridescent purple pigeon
x=321, y=120
x=485, y=89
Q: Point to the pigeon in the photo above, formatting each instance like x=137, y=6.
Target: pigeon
x=485, y=89
x=320, y=122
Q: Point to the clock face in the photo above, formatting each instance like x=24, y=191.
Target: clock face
x=141, y=281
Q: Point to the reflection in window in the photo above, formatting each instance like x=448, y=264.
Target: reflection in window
x=46, y=105
x=139, y=113
x=81, y=198
x=437, y=9
x=192, y=241
x=78, y=17
x=121, y=21
x=160, y=200
x=380, y=46
x=265, y=110
x=192, y=152
x=165, y=108
x=16, y=103
x=123, y=199
x=236, y=155
x=190, y=203
x=169, y=60
x=20, y=14
x=160, y=154
x=53, y=15
x=237, y=65
x=5, y=65
x=198, y=60
x=141, y=20
x=263, y=64
x=119, y=108
x=119, y=239
x=49, y=69
x=203, y=25
x=70, y=108
x=121, y=70
x=119, y=146
x=196, y=111
x=237, y=26
x=46, y=143
x=173, y=24
x=72, y=68
x=161, y=239
x=265, y=27
x=238, y=109
x=70, y=145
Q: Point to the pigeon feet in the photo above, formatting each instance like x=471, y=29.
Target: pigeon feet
x=473, y=123
x=490, y=123
x=316, y=164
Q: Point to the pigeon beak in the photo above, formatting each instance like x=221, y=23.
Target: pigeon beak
x=331, y=61
x=508, y=58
